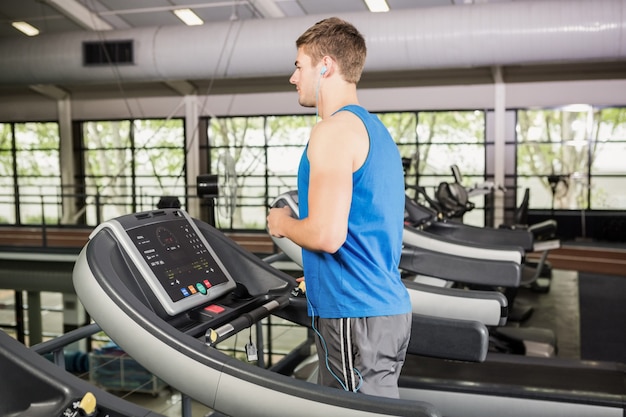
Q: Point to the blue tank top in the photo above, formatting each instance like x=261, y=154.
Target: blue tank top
x=362, y=279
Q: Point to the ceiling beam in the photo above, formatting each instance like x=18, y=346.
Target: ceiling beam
x=182, y=87
x=267, y=8
x=50, y=91
x=84, y=17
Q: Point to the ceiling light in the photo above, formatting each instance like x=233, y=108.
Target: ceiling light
x=188, y=17
x=25, y=28
x=377, y=5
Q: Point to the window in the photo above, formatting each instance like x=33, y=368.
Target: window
x=129, y=165
x=572, y=158
x=265, y=152
x=38, y=172
x=449, y=138
x=607, y=186
x=7, y=175
x=30, y=181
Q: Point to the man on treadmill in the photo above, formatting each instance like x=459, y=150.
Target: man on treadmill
x=351, y=201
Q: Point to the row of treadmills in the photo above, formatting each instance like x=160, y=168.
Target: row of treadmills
x=168, y=289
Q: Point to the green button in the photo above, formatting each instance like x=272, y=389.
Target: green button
x=201, y=288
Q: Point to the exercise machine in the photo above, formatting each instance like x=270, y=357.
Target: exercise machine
x=117, y=284
x=168, y=289
x=427, y=272
x=33, y=386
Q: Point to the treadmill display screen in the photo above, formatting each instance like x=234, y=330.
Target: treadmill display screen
x=179, y=259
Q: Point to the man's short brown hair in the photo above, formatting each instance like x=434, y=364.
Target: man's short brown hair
x=339, y=40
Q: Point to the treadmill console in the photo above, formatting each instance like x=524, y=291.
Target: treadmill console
x=171, y=254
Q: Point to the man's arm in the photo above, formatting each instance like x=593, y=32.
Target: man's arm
x=331, y=153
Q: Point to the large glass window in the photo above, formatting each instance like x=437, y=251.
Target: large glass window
x=263, y=154
x=448, y=138
x=572, y=158
x=287, y=138
x=129, y=165
x=30, y=182
x=7, y=175
x=607, y=186
x=237, y=157
x=552, y=148
x=402, y=127
x=38, y=172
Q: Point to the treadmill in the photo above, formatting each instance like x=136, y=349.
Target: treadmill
x=167, y=288
x=32, y=386
x=491, y=385
x=425, y=220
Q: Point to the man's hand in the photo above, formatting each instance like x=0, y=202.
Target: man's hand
x=275, y=220
x=300, y=290
x=301, y=284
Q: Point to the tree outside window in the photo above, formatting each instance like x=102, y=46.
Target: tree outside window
x=572, y=158
x=129, y=165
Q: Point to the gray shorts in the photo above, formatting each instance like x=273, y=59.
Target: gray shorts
x=363, y=354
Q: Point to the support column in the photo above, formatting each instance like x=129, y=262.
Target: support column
x=68, y=179
x=193, y=151
x=35, y=326
x=66, y=148
x=499, y=153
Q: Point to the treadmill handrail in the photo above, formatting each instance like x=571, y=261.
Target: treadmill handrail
x=459, y=268
x=487, y=307
x=420, y=238
x=468, y=234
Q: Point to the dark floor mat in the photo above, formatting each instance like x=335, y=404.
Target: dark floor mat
x=602, y=317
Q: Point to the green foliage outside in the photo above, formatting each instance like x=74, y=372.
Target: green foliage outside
x=130, y=164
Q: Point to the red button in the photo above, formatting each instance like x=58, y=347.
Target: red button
x=214, y=308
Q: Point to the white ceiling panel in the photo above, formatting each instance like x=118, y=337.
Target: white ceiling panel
x=56, y=16
x=48, y=17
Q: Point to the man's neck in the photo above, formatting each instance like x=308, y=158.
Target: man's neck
x=336, y=97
